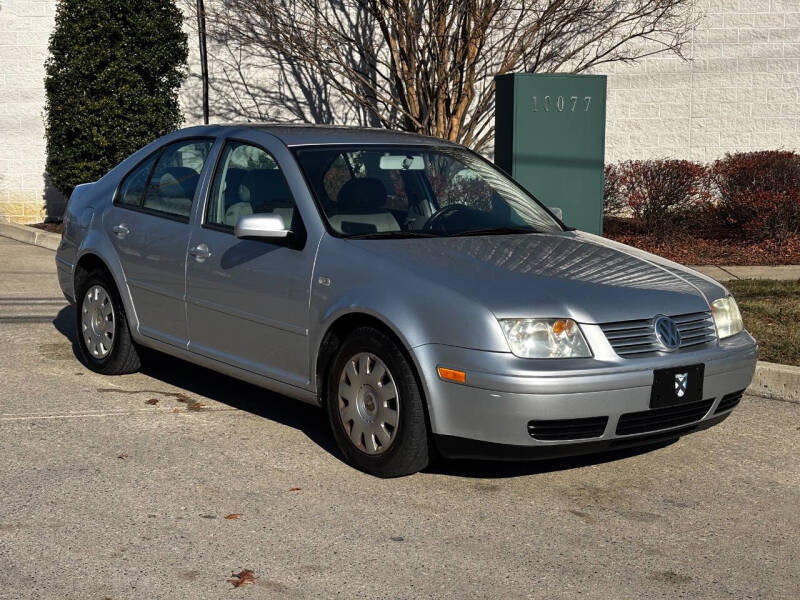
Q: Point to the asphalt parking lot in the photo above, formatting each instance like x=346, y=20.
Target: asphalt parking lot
x=120, y=488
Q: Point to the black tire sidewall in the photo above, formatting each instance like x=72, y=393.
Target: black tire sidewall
x=408, y=452
x=123, y=357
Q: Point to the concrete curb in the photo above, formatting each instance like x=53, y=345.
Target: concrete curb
x=778, y=382
x=30, y=235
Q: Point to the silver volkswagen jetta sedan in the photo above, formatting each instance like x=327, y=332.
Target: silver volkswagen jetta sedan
x=417, y=293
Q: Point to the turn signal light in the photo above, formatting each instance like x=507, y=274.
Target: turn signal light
x=452, y=375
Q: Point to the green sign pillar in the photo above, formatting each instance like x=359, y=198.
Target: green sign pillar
x=550, y=136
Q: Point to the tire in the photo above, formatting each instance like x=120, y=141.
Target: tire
x=116, y=354
x=387, y=408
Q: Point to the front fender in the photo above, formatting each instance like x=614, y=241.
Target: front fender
x=417, y=310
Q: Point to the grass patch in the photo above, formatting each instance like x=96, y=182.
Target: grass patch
x=771, y=311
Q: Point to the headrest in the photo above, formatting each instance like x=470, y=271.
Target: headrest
x=267, y=186
x=362, y=194
x=178, y=182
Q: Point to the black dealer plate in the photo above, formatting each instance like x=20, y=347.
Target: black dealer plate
x=679, y=385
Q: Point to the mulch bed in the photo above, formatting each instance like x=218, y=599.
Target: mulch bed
x=704, y=249
x=689, y=250
x=51, y=227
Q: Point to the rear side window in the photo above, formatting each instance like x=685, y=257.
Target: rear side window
x=175, y=178
x=166, y=182
x=131, y=192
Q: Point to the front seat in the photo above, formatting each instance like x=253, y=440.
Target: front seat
x=360, y=208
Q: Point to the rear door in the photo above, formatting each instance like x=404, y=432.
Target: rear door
x=148, y=225
x=247, y=300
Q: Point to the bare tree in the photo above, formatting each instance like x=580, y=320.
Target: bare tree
x=423, y=65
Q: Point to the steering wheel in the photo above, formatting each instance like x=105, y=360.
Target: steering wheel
x=443, y=213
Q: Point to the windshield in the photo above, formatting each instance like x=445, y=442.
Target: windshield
x=410, y=191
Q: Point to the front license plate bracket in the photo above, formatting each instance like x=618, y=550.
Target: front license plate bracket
x=677, y=385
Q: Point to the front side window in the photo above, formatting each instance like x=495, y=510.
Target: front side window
x=392, y=191
x=248, y=181
x=176, y=176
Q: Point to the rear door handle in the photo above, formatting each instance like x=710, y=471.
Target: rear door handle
x=200, y=252
x=120, y=230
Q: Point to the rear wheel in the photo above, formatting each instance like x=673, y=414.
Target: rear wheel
x=104, y=340
x=375, y=406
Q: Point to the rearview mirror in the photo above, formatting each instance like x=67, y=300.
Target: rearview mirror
x=400, y=162
x=261, y=227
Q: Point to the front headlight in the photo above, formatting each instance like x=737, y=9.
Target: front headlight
x=545, y=338
x=727, y=317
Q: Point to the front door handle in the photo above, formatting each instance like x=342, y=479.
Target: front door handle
x=120, y=230
x=200, y=252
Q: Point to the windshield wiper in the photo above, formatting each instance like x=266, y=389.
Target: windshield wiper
x=391, y=235
x=493, y=231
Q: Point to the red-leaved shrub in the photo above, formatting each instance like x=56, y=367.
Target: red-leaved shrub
x=758, y=194
x=660, y=194
x=614, y=201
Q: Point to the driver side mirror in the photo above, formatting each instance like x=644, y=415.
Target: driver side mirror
x=261, y=227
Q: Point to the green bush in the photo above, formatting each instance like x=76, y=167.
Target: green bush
x=112, y=82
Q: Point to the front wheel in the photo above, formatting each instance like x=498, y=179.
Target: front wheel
x=375, y=406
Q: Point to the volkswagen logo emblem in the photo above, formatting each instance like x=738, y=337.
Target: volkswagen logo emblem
x=667, y=333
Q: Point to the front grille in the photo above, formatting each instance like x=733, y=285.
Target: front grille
x=662, y=418
x=729, y=401
x=567, y=429
x=631, y=338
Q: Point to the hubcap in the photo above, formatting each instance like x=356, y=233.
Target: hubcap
x=368, y=403
x=97, y=322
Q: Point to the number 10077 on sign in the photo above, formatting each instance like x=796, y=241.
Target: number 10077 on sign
x=561, y=103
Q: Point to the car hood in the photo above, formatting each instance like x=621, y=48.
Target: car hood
x=571, y=274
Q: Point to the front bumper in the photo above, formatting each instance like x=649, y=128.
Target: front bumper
x=503, y=394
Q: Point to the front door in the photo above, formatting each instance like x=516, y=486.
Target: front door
x=246, y=300
x=148, y=225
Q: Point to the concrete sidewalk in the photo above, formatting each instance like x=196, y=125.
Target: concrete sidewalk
x=730, y=272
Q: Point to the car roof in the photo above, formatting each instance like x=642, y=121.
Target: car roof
x=310, y=135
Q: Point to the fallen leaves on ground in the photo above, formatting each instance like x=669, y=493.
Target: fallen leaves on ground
x=196, y=406
x=243, y=577
x=123, y=456
x=152, y=401
x=295, y=489
x=694, y=250
x=233, y=516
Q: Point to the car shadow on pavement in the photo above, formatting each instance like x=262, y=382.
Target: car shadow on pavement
x=313, y=422
x=200, y=381
x=499, y=469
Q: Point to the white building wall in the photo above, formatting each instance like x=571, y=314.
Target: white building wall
x=25, y=27
x=740, y=91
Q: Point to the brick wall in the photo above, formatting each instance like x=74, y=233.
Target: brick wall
x=739, y=92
